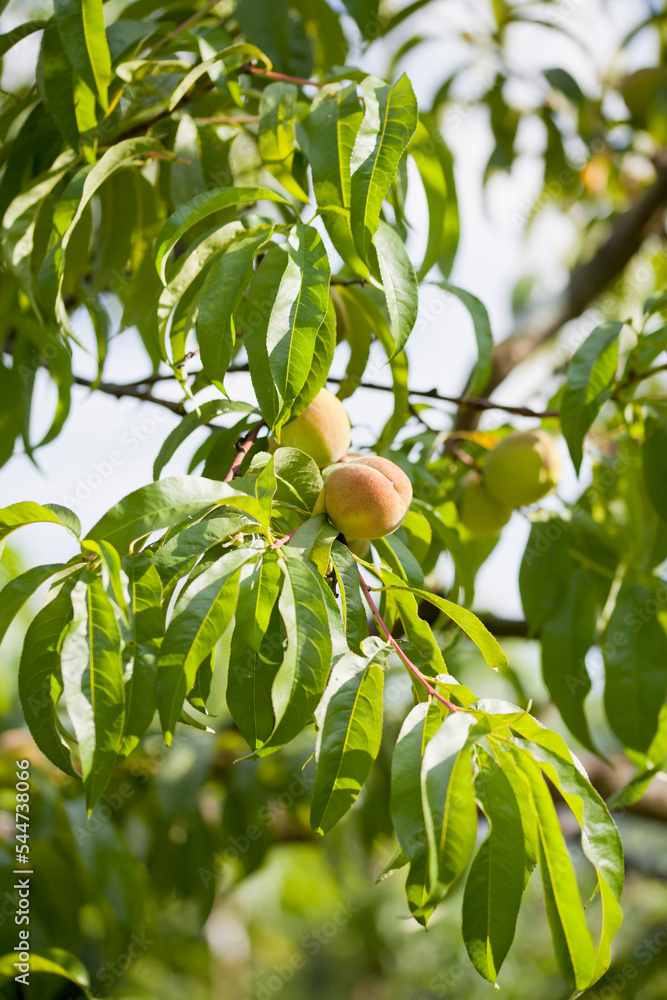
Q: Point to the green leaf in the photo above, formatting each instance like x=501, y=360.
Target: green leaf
x=571, y=938
x=349, y=737
x=635, y=655
x=160, y=504
x=178, y=300
x=287, y=303
x=20, y=514
x=10, y=38
x=55, y=962
x=483, y=335
x=654, y=464
x=81, y=28
x=400, y=284
x=495, y=884
x=313, y=541
x=275, y=134
x=471, y=625
x=435, y=165
x=302, y=676
x=589, y=384
x=142, y=639
x=256, y=651
x=448, y=800
x=93, y=685
x=299, y=482
x=39, y=671
x=225, y=286
x=323, y=352
x=565, y=641
x=332, y=126
x=190, y=423
x=15, y=593
x=199, y=208
x=178, y=554
x=390, y=118
x=55, y=84
x=352, y=605
x=202, y=612
x=546, y=569
x=405, y=804
x=418, y=632
x=232, y=58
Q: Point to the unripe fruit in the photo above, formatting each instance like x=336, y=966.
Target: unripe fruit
x=478, y=510
x=367, y=497
x=322, y=430
x=522, y=468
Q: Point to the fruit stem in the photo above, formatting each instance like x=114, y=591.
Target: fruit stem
x=414, y=670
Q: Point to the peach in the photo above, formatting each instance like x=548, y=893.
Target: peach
x=366, y=498
x=322, y=430
x=479, y=511
x=522, y=468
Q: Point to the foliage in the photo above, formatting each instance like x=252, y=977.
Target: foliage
x=217, y=174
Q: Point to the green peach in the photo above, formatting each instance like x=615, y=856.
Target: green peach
x=522, y=468
x=322, y=430
x=478, y=510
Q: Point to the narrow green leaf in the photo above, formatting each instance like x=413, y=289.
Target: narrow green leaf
x=405, y=803
x=225, y=286
x=160, y=504
x=483, y=336
x=349, y=738
x=471, y=625
x=390, y=118
x=654, y=464
x=299, y=482
x=635, y=655
x=199, y=208
x=10, y=38
x=448, y=801
x=303, y=673
x=332, y=126
x=15, y=593
x=400, y=284
x=20, y=514
x=275, y=134
x=352, y=605
x=177, y=555
x=232, y=58
x=495, y=884
x=54, y=962
x=571, y=938
x=589, y=383
x=93, y=685
x=142, y=639
x=201, y=614
x=190, y=423
x=434, y=162
x=81, y=28
x=323, y=352
x=256, y=651
x=313, y=541
x=39, y=673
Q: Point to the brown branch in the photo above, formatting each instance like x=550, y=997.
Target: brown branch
x=473, y=401
x=131, y=391
x=587, y=281
x=253, y=70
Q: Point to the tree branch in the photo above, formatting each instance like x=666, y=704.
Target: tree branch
x=586, y=282
x=132, y=391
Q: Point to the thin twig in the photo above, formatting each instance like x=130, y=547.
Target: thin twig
x=243, y=447
x=638, y=377
x=133, y=391
x=415, y=671
x=282, y=541
x=272, y=75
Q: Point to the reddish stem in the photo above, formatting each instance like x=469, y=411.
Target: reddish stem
x=281, y=541
x=243, y=449
x=258, y=71
x=415, y=671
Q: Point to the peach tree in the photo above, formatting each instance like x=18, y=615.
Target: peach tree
x=216, y=179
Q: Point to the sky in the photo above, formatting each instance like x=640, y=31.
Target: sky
x=108, y=446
